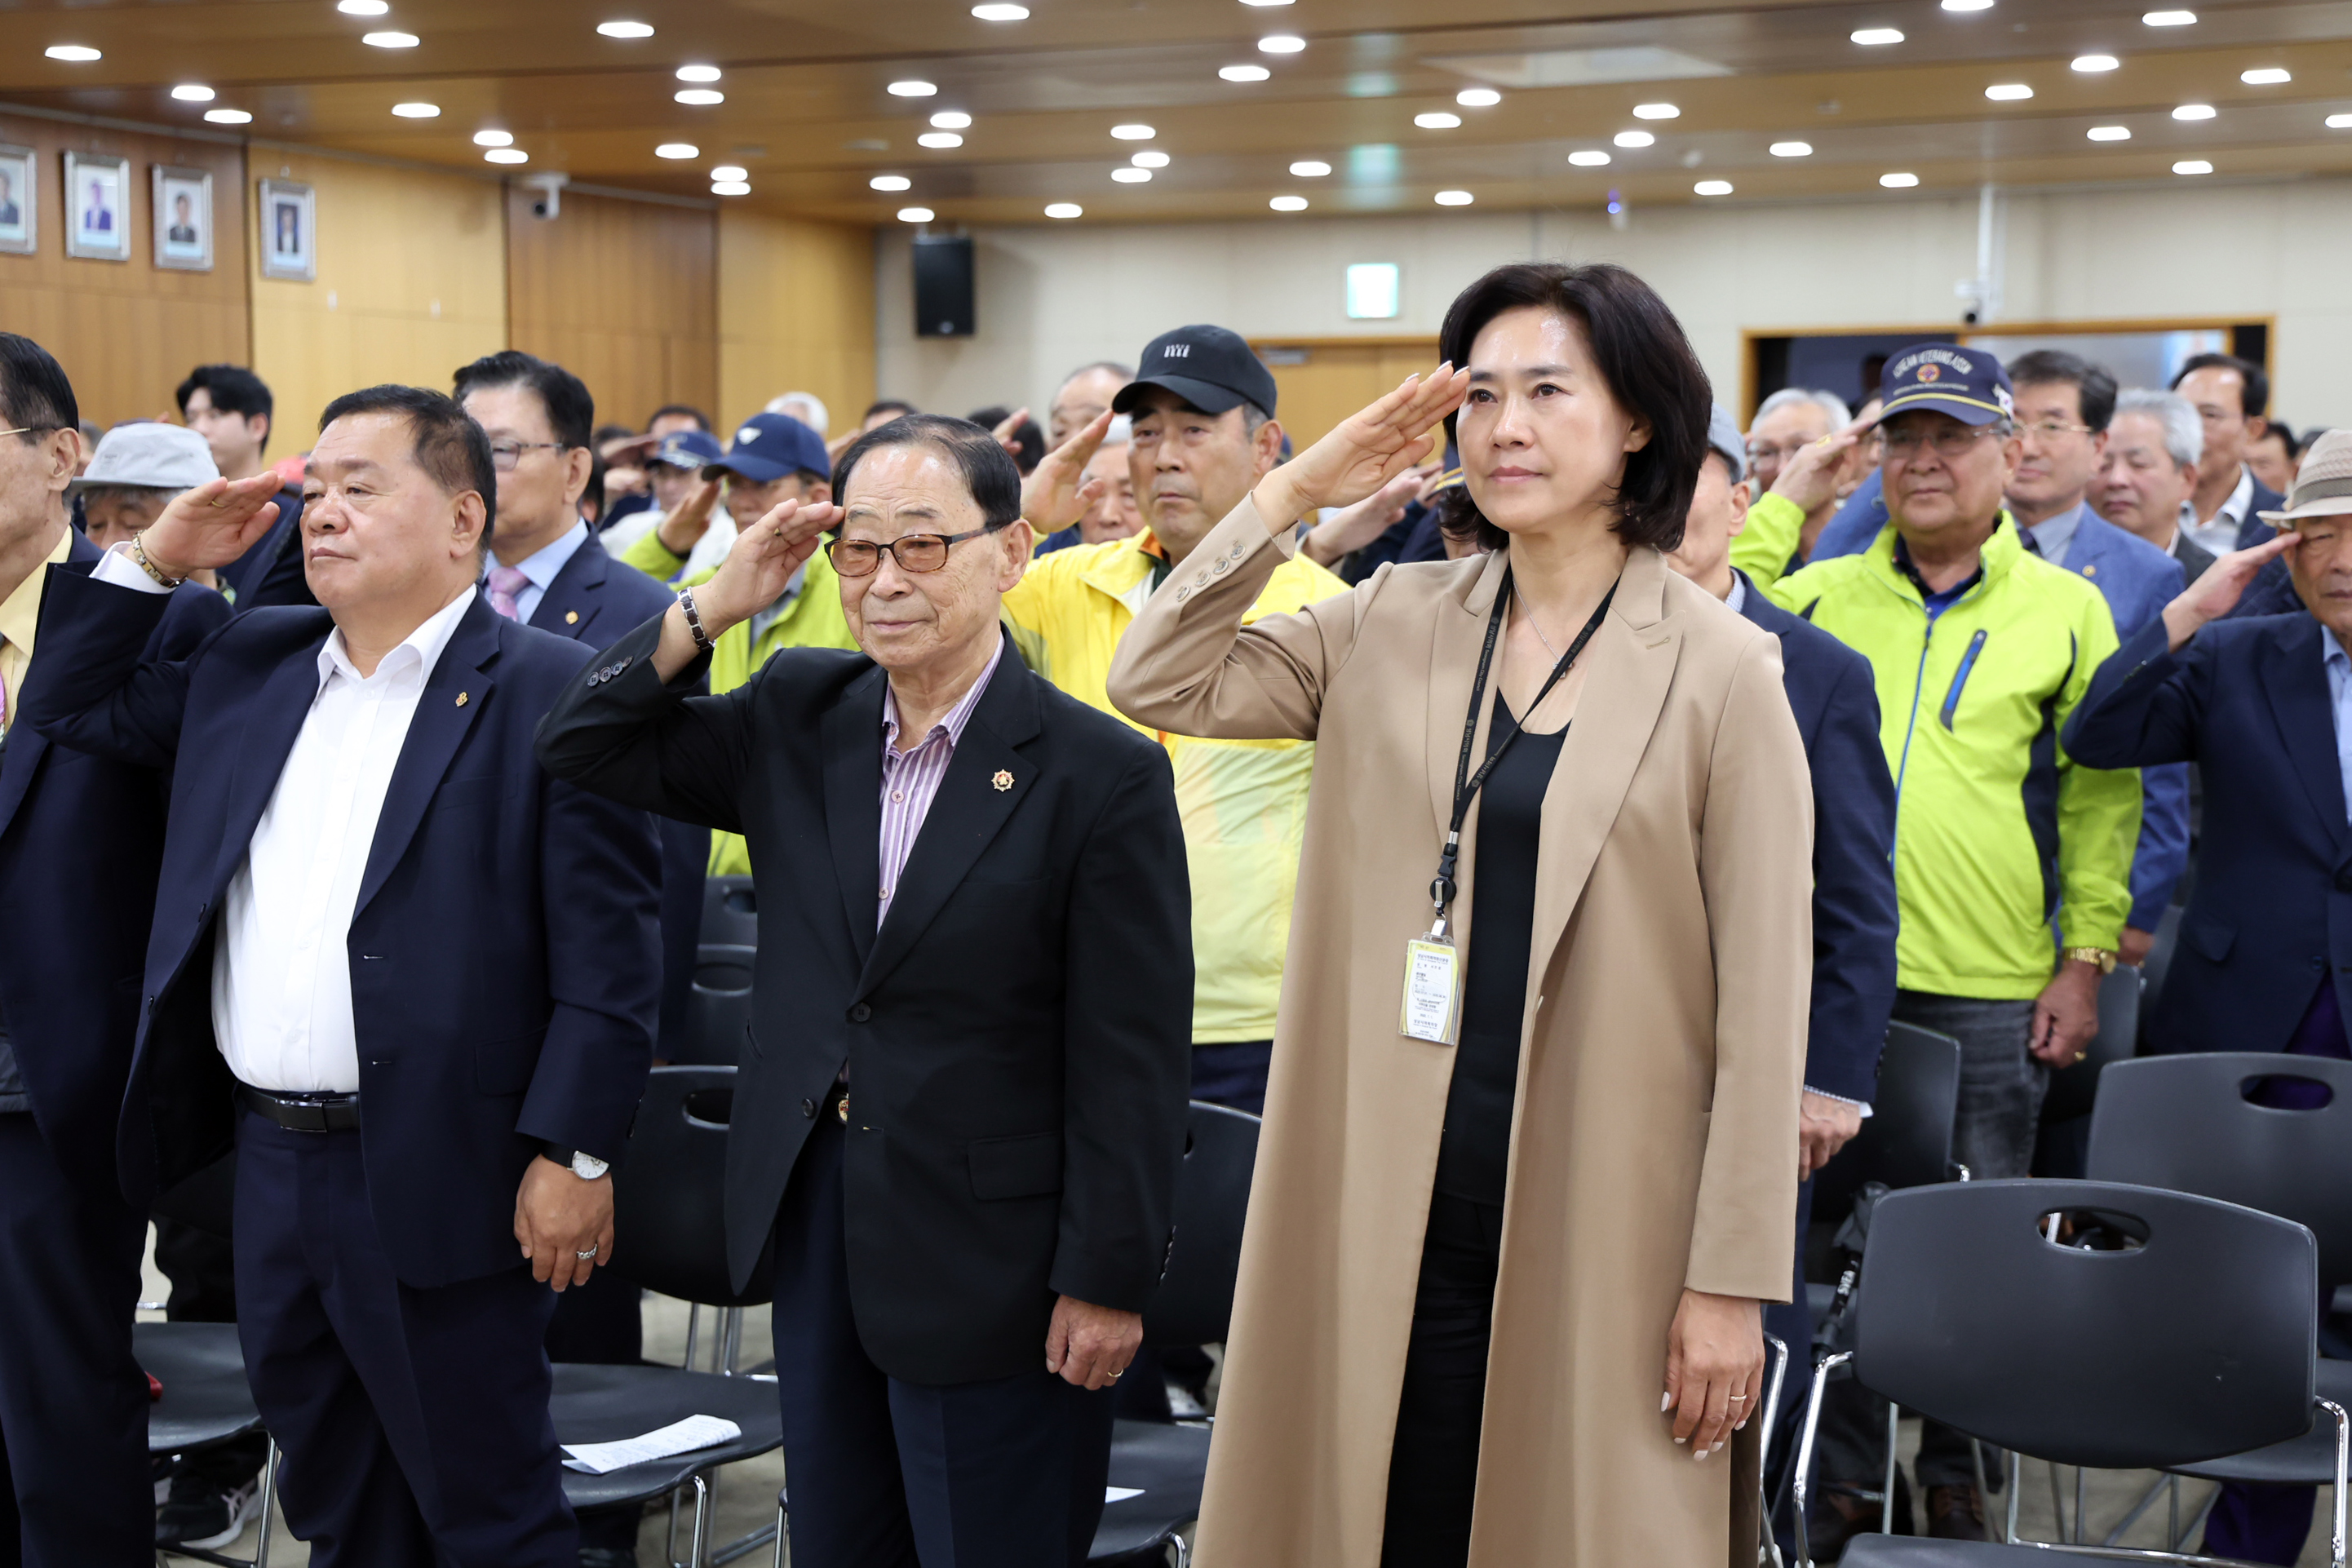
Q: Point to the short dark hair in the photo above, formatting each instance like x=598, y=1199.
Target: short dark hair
x=2253, y=385
x=989, y=475
x=35, y=395
x=449, y=445
x=1028, y=435
x=2285, y=433
x=1643, y=356
x=604, y=433
x=701, y=420
x=2094, y=384
x=571, y=411
x=233, y=389
x=884, y=406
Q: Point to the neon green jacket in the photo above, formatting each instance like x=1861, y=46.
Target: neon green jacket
x=1994, y=824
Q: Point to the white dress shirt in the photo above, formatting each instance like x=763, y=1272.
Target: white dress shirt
x=2221, y=535
x=541, y=566
x=281, y=958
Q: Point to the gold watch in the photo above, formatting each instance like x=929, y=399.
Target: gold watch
x=139, y=559
x=2102, y=957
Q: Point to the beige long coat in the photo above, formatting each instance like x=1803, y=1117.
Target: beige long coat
x=1655, y=1144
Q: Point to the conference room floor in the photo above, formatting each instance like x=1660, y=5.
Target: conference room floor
x=747, y=1492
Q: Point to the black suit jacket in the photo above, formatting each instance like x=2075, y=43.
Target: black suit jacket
x=1017, y=1032
x=2270, y=916
x=272, y=572
x=81, y=837
x=2194, y=558
x=1835, y=699
x=503, y=951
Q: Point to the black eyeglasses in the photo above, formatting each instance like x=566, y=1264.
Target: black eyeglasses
x=912, y=552
x=505, y=454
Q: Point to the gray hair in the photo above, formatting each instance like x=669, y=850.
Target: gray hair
x=1109, y=367
x=1829, y=402
x=804, y=406
x=141, y=494
x=2184, y=432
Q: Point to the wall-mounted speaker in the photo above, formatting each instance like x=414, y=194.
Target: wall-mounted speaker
x=943, y=286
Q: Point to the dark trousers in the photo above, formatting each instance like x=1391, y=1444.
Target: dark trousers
x=1433, y=1463
x=1233, y=1073
x=202, y=1268
x=1007, y=1473
x=74, y=1482
x=414, y=1421
x=603, y=1324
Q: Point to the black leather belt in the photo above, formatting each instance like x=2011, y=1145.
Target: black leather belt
x=302, y=1113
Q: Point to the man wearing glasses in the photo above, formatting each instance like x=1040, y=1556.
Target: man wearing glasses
x=1981, y=648
x=1787, y=423
x=961, y=1116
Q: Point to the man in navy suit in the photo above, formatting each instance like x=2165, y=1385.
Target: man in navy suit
x=81, y=839
x=2264, y=706
x=1834, y=697
x=410, y=976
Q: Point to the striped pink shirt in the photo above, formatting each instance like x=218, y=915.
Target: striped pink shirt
x=911, y=778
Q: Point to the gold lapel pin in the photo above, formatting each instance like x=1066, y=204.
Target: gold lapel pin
x=461, y=700
x=571, y=617
x=1002, y=781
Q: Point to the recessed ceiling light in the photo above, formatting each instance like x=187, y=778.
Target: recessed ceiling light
x=1065, y=210
x=1477, y=98
x=1869, y=37
x=1243, y=73
x=228, y=116
x=190, y=92
x=1967, y=4
x=2109, y=133
x=2193, y=111
x=1310, y=168
x=1437, y=119
x=1281, y=44
x=78, y=54
x=1148, y=158
x=418, y=111
x=889, y=182
x=1657, y=111
x=2339, y=122
x=362, y=8
x=1634, y=139
x=911, y=88
x=1266, y=2
x=1712, y=188
x=699, y=97
x=1001, y=13
x=1898, y=182
x=1455, y=198
x=1133, y=132
x=938, y=139
x=2266, y=76
x=1288, y=204
x=698, y=73
x=389, y=40
x=610, y=29
x=2008, y=91
x=506, y=155
x=2192, y=166
x=914, y=215
x=1792, y=149
x=2170, y=18
x=731, y=188
x=1587, y=158
x=493, y=138
x=677, y=150
x=2090, y=63
x=1131, y=175
x=727, y=173
x=950, y=120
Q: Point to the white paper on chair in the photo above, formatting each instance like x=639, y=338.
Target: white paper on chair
x=678, y=1438
x=1120, y=1494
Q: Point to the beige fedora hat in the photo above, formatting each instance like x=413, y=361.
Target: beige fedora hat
x=2323, y=485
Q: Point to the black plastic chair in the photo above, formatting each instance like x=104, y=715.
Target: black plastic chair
x=1907, y=1140
x=607, y=1404
x=731, y=911
x=206, y=1403
x=718, y=1006
x=2073, y=1090
x=2187, y=1334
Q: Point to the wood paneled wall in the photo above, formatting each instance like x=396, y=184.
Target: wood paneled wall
x=126, y=331
x=622, y=293
x=795, y=314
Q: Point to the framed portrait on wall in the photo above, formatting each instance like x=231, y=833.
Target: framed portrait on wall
x=183, y=218
x=19, y=204
x=98, y=207
x=290, y=215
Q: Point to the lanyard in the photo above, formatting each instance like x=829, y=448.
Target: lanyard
x=1467, y=785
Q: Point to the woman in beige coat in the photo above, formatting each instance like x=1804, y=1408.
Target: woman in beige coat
x=1499, y=1298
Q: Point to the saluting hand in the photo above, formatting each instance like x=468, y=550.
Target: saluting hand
x=763, y=560
x=1809, y=479
x=1364, y=452
x=2217, y=592
x=1058, y=492
x=212, y=525
x=680, y=531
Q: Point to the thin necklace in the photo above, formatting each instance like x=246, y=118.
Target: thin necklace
x=1531, y=616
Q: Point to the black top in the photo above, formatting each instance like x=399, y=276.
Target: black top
x=1475, y=1153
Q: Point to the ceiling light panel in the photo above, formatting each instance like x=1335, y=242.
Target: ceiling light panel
x=1243, y=73
x=1657, y=111
x=2092, y=64
x=610, y=29
x=1874, y=37
x=1632, y=138
x=1310, y=168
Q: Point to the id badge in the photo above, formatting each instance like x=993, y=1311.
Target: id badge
x=1432, y=991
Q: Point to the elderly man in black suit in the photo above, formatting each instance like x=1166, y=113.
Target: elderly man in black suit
x=962, y=1105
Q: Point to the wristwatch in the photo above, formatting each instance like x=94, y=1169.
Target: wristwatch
x=693, y=614
x=2101, y=957
x=584, y=1165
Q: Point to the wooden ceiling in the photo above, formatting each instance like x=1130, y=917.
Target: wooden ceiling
x=808, y=115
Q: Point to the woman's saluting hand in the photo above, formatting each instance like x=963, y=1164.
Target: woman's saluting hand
x=1365, y=452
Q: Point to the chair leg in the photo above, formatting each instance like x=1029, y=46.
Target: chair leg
x=702, y=1523
x=781, y=1523
x=2172, y=1521
x=2057, y=1501
x=1886, y=1507
x=1984, y=1493
x=269, y=1504
x=2013, y=1463
x=2082, y=1522
x=1801, y=1489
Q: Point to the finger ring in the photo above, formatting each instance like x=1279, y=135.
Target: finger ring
x=2081, y=1055
x=591, y=1252
x=1114, y=1377
x=1740, y=1399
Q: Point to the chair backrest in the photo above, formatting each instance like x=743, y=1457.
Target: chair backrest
x=2184, y=1122
x=2075, y=1089
x=1194, y=1304
x=1907, y=1140
x=717, y=1005
x=731, y=913
x=2197, y=1343
x=669, y=1231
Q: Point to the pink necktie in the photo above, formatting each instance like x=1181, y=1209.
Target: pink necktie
x=506, y=582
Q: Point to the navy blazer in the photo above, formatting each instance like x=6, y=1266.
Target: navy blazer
x=1836, y=700
x=503, y=950
x=2270, y=916
x=272, y=572
x=81, y=839
x=593, y=600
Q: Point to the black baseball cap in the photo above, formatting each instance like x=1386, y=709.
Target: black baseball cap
x=1208, y=367
x=1968, y=384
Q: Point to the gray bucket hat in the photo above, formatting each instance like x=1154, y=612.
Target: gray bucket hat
x=151, y=457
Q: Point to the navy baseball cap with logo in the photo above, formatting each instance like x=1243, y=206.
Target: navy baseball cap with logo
x=687, y=450
x=771, y=445
x=1208, y=367
x=1968, y=384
